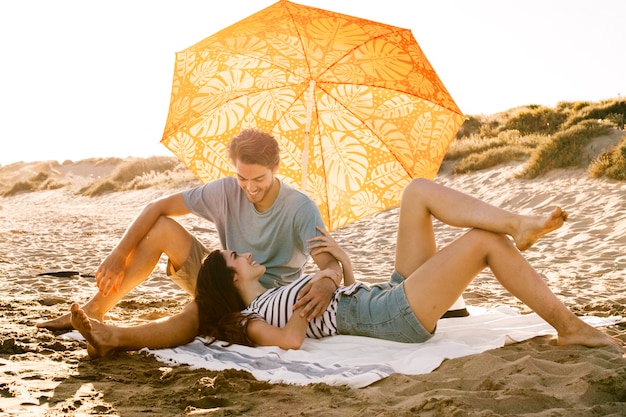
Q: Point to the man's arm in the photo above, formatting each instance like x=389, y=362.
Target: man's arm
x=111, y=272
x=313, y=298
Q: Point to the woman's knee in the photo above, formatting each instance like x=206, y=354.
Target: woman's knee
x=419, y=185
x=488, y=240
x=416, y=188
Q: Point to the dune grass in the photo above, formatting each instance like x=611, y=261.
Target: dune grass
x=39, y=181
x=140, y=173
x=612, y=163
x=126, y=174
x=565, y=149
x=543, y=138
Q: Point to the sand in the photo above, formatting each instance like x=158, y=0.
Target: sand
x=58, y=230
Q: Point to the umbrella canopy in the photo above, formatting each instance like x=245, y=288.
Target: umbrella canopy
x=355, y=105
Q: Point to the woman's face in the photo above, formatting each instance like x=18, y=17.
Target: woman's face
x=243, y=265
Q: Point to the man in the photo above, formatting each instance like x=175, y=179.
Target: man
x=252, y=212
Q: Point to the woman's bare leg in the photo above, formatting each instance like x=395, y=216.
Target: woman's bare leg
x=423, y=199
x=440, y=280
x=103, y=339
x=167, y=236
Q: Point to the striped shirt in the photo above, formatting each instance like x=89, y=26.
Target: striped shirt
x=275, y=306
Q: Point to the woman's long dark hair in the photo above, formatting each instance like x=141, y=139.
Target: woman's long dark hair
x=219, y=303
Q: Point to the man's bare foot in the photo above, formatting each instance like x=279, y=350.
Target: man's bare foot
x=589, y=336
x=63, y=322
x=532, y=228
x=98, y=336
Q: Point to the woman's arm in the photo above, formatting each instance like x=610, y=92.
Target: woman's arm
x=327, y=244
x=261, y=333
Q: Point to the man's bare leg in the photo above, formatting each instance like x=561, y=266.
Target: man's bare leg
x=167, y=236
x=103, y=339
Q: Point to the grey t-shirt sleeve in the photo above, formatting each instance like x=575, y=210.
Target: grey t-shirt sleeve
x=210, y=202
x=305, y=221
x=205, y=199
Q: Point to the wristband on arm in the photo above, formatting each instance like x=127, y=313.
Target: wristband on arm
x=332, y=280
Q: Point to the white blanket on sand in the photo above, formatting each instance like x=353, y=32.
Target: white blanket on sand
x=360, y=361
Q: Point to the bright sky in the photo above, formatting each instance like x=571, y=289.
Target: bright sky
x=82, y=79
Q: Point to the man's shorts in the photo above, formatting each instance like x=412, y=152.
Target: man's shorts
x=187, y=274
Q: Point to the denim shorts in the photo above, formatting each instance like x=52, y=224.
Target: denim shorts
x=187, y=275
x=381, y=311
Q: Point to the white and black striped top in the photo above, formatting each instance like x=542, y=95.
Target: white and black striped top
x=275, y=306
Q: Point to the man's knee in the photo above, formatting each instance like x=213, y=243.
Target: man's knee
x=164, y=227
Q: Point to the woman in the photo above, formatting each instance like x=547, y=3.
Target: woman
x=424, y=284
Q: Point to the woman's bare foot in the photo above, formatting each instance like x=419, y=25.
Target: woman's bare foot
x=589, y=336
x=99, y=336
x=532, y=228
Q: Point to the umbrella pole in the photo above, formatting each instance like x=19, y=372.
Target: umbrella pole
x=307, y=131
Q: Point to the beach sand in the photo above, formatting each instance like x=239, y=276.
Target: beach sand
x=57, y=230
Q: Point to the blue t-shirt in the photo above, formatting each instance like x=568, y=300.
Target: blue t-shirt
x=277, y=238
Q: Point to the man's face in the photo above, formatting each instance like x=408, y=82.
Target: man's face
x=256, y=181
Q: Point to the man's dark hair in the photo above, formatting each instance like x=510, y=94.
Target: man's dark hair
x=253, y=146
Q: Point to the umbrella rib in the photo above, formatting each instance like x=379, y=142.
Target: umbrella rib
x=348, y=52
x=326, y=69
x=299, y=39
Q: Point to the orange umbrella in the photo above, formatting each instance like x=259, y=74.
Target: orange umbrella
x=355, y=105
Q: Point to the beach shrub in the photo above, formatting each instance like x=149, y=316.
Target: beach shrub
x=475, y=152
x=136, y=167
x=618, y=119
x=490, y=158
x=613, y=111
x=51, y=184
x=140, y=173
x=38, y=182
x=490, y=129
x=99, y=187
x=611, y=164
x=605, y=108
x=18, y=187
x=536, y=119
x=565, y=149
x=461, y=148
x=470, y=127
